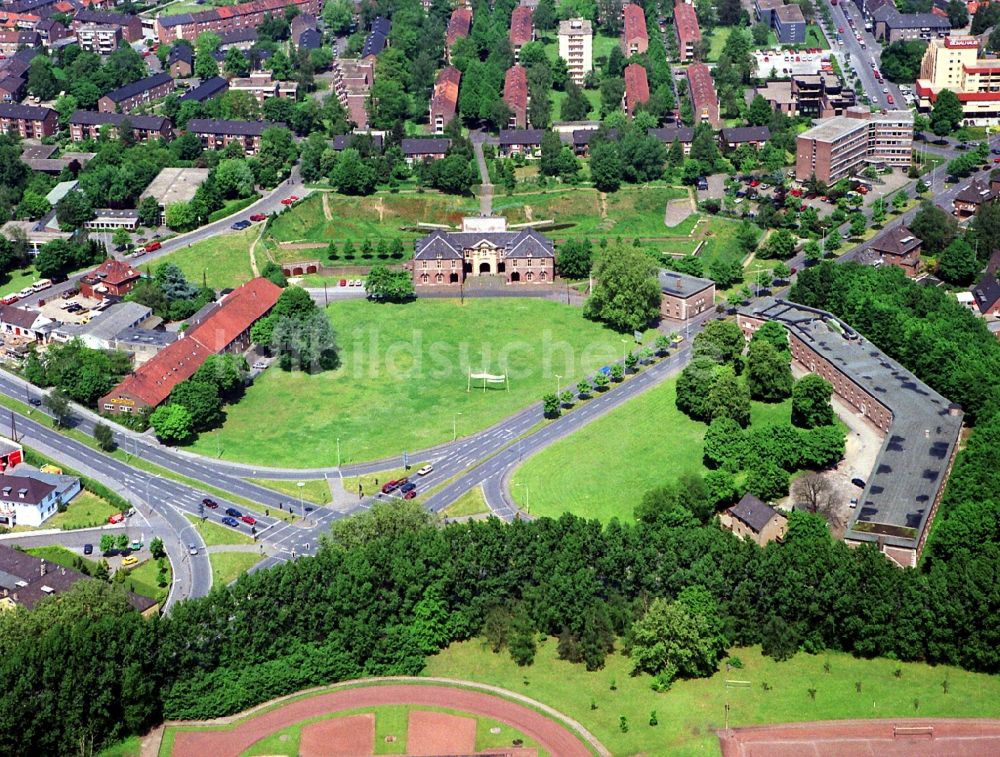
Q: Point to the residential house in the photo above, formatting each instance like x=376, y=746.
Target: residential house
x=12, y=88
x=634, y=38
x=892, y=26
x=28, y=121
x=102, y=39
x=972, y=197
x=180, y=61
x=31, y=325
x=112, y=278
x=378, y=38
x=987, y=295
x=687, y=30
x=736, y=136
x=261, y=85
x=444, y=99
x=704, y=100
x=525, y=142
x=130, y=26
x=226, y=18
x=88, y=124
x=224, y=328
x=216, y=134
x=582, y=138
x=213, y=87
x=138, y=93
x=26, y=501
x=899, y=247
x=417, y=150
x=352, y=82
x=343, y=141
x=458, y=27
x=752, y=519
x=684, y=296
x=636, y=88
x=522, y=29
x=515, y=95
x=674, y=132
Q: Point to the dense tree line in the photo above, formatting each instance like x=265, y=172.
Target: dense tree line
x=83, y=374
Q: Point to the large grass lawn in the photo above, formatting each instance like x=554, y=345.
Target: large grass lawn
x=690, y=710
x=215, y=534
x=227, y=566
x=223, y=260
x=85, y=510
x=15, y=281
x=142, y=579
x=316, y=490
x=602, y=470
x=403, y=379
x=720, y=243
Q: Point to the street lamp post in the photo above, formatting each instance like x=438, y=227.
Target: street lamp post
x=302, y=506
x=338, y=451
x=558, y=385
x=527, y=498
x=454, y=426
x=149, y=478
x=624, y=351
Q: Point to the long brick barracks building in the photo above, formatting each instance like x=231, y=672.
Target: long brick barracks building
x=226, y=18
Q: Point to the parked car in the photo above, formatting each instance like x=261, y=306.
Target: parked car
x=407, y=487
x=257, y=217
x=259, y=365
x=889, y=99
x=854, y=502
x=211, y=504
x=425, y=470
x=233, y=512
x=232, y=522
x=249, y=520
x=995, y=151
x=26, y=292
x=128, y=562
x=410, y=494
x=88, y=549
x=859, y=482
x=240, y=225
x=136, y=545
x=152, y=247
x=9, y=299
x=117, y=518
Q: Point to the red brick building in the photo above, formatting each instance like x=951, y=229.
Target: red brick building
x=522, y=29
x=112, y=278
x=227, y=18
x=634, y=40
x=684, y=296
x=687, y=30
x=444, y=99
x=216, y=134
x=636, y=88
x=704, y=100
x=458, y=27
x=483, y=247
x=87, y=124
x=515, y=94
x=899, y=247
x=131, y=96
x=129, y=26
x=28, y=121
x=226, y=328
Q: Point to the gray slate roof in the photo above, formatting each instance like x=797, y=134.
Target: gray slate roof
x=897, y=241
x=754, y=512
x=667, y=134
x=987, y=292
x=913, y=460
x=742, y=134
x=521, y=136
x=96, y=118
x=27, y=112
x=206, y=90
x=424, y=146
x=681, y=284
x=137, y=87
x=218, y=126
x=449, y=245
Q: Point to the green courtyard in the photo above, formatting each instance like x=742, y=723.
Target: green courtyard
x=403, y=380
x=602, y=470
x=688, y=714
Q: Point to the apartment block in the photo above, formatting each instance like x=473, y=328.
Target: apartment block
x=687, y=30
x=515, y=95
x=227, y=18
x=444, y=99
x=837, y=147
x=261, y=85
x=635, y=39
x=953, y=63
x=704, y=100
x=636, y=88
x=458, y=27
x=27, y=121
x=522, y=29
x=216, y=134
x=576, y=47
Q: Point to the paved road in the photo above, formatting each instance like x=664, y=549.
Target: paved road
x=861, y=59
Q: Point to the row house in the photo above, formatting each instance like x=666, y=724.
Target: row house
x=28, y=121
x=130, y=26
x=458, y=27
x=634, y=39
x=138, y=93
x=522, y=29
x=516, y=97
x=88, y=124
x=527, y=142
x=216, y=134
x=444, y=99
x=227, y=18
x=419, y=150
x=636, y=88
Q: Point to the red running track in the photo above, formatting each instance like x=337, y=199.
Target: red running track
x=549, y=735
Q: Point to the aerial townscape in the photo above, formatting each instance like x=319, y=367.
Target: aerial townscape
x=499, y=377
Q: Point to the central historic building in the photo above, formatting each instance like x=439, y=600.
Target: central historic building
x=484, y=247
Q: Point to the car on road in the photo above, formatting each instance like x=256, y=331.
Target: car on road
x=88, y=549
x=227, y=521
x=129, y=561
x=9, y=300
x=136, y=545
x=962, y=146
x=257, y=217
x=840, y=30
x=409, y=486
x=858, y=482
x=425, y=470
x=240, y=225
x=192, y=549
x=889, y=99
x=995, y=151
x=996, y=160
x=211, y=504
x=389, y=487
x=35, y=402
x=233, y=512
x=260, y=365
x=249, y=520
x=410, y=494
x=854, y=503
x=117, y=518
x=289, y=200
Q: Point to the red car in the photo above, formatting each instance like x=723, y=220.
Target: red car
x=840, y=29
x=410, y=494
x=755, y=183
x=249, y=520
x=211, y=504
x=390, y=486
x=116, y=518
x=10, y=300
x=889, y=99
x=995, y=160
x=258, y=217
x=287, y=201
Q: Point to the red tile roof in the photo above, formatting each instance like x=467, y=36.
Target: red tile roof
x=686, y=21
x=636, y=87
x=458, y=25
x=114, y=272
x=444, y=100
x=152, y=382
x=515, y=89
x=703, y=96
x=634, y=24
x=521, y=26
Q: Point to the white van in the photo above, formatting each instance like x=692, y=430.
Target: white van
x=41, y=284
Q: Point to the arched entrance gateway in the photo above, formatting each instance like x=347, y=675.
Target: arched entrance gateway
x=515, y=276
x=485, y=267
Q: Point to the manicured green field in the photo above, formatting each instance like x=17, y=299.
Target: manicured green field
x=222, y=261
x=593, y=97
x=602, y=470
x=689, y=712
x=404, y=377
x=471, y=503
x=720, y=35
x=227, y=566
x=215, y=534
x=15, y=281
x=130, y=747
x=142, y=579
x=58, y=555
x=85, y=510
x=720, y=242
x=315, y=490
x=360, y=218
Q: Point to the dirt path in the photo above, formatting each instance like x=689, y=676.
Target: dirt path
x=551, y=736
x=326, y=207
x=380, y=207
x=604, y=204
x=253, y=249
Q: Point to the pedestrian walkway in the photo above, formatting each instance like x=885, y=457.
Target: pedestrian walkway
x=485, y=187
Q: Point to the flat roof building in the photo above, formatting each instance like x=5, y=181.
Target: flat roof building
x=174, y=185
x=953, y=63
x=576, y=47
x=837, y=147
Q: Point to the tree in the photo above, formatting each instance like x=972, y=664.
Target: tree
x=767, y=480
x=156, y=548
x=42, y=82
x=307, y=344
x=352, y=175
x=205, y=65
x=958, y=263
x=107, y=543
x=181, y=216
x=149, y=212
x=947, y=113
x=58, y=403
x=385, y=285
x=858, y=224
x=121, y=238
x=759, y=112
x=813, y=491
x=671, y=641
x=236, y=63
x=545, y=17
x=900, y=61
x=769, y=375
x=201, y=400
x=605, y=166
x=721, y=341
x=233, y=178
x=811, y=402
x=73, y=211
x=172, y=424
x=725, y=444
x=729, y=398
x=781, y=245
x=574, y=259
x=936, y=228
x=958, y=14
x=576, y=106
x=760, y=32
x=104, y=436
x=551, y=407
x=626, y=294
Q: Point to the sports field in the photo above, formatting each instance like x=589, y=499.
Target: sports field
x=602, y=470
x=402, y=384
x=689, y=712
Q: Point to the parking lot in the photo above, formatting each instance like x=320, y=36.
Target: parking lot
x=75, y=309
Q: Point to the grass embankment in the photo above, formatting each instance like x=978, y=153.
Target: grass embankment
x=215, y=534
x=689, y=712
x=471, y=503
x=314, y=490
x=403, y=381
x=222, y=261
x=602, y=470
x=58, y=555
x=85, y=510
x=227, y=566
